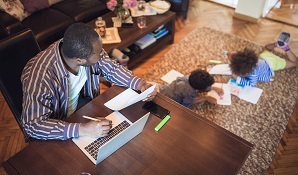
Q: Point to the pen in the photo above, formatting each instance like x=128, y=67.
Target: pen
x=162, y=123
x=91, y=118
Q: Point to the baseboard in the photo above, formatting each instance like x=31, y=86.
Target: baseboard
x=246, y=18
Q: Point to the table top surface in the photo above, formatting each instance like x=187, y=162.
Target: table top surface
x=129, y=35
x=187, y=144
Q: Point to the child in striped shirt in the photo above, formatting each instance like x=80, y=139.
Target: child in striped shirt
x=248, y=68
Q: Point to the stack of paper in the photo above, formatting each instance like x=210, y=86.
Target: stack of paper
x=145, y=41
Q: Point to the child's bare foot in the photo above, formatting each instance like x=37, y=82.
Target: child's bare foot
x=270, y=47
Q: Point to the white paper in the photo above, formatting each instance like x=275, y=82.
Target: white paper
x=251, y=94
x=221, y=69
x=127, y=98
x=247, y=93
x=226, y=97
x=171, y=76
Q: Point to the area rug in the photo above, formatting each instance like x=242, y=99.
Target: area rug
x=262, y=124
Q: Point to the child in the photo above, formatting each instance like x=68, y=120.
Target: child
x=248, y=68
x=184, y=90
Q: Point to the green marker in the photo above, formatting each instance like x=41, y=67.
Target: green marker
x=163, y=122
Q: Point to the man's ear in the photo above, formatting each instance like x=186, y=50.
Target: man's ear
x=81, y=61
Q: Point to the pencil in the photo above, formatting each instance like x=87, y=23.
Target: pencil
x=91, y=118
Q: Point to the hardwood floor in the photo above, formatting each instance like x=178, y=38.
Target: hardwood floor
x=201, y=14
x=285, y=11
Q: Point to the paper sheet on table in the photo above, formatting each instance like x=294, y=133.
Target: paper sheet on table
x=127, y=98
x=226, y=98
x=171, y=76
x=221, y=69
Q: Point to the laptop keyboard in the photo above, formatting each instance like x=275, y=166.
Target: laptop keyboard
x=93, y=147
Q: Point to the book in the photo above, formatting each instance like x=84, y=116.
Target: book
x=162, y=33
x=145, y=41
x=247, y=93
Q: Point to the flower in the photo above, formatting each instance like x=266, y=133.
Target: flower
x=116, y=5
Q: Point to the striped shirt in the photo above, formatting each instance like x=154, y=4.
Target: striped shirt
x=262, y=72
x=46, y=92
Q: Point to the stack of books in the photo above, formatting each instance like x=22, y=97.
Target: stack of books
x=145, y=41
x=160, y=32
x=152, y=37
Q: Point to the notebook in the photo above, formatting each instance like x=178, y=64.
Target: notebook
x=123, y=130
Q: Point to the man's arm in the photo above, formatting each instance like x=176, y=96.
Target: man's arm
x=121, y=76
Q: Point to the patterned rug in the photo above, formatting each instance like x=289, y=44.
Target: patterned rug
x=262, y=124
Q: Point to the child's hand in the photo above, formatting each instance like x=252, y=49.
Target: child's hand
x=211, y=99
x=234, y=76
x=228, y=55
x=218, y=90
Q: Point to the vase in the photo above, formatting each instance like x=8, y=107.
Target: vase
x=123, y=14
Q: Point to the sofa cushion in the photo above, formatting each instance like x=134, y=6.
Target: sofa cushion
x=85, y=11
x=15, y=8
x=48, y=25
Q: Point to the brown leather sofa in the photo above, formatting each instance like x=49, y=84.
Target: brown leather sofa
x=49, y=25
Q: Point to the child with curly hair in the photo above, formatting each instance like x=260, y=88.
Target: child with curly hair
x=184, y=90
x=248, y=68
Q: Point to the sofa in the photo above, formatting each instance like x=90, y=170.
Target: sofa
x=49, y=24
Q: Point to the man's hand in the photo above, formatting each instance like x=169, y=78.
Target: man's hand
x=143, y=86
x=98, y=128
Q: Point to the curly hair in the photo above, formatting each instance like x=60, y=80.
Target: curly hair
x=78, y=41
x=243, y=62
x=200, y=80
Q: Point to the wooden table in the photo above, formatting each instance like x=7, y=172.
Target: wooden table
x=187, y=144
x=131, y=35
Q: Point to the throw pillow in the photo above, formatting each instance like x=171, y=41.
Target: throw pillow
x=51, y=2
x=15, y=8
x=35, y=5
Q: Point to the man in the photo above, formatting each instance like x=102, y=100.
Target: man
x=69, y=70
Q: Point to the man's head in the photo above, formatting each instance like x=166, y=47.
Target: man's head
x=201, y=80
x=243, y=62
x=81, y=41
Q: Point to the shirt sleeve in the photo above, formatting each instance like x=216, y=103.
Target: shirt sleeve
x=250, y=80
x=118, y=74
x=37, y=108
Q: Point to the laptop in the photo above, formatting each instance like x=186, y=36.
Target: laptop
x=123, y=130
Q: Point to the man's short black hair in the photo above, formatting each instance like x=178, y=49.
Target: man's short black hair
x=200, y=80
x=243, y=62
x=78, y=41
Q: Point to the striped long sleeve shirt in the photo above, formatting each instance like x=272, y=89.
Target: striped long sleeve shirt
x=45, y=92
x=262, y=72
